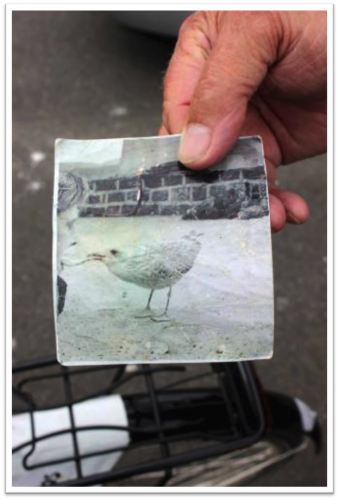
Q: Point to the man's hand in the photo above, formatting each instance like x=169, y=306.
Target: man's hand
x=243, y=73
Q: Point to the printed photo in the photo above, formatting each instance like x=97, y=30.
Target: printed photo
x=155, y=262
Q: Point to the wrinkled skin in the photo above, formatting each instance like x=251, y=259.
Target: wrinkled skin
x=242, y=73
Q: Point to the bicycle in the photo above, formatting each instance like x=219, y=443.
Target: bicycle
x=218, y=427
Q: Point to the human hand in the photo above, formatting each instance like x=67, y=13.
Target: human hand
x=243, y=73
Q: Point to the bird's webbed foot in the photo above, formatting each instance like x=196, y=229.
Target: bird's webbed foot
x=160, y=318
x=146, y=313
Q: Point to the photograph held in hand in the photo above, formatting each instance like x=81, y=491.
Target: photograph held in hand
x=154, y=262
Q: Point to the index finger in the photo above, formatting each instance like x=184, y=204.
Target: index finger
x=184, y=70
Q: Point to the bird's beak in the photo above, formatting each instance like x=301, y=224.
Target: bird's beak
x=95, y=256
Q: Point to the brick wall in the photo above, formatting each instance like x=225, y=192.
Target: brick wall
x=171, y=189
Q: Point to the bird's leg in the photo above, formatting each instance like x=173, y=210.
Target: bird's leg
x=164, y=314
x=168, y=300
x=148, y=307
x=147, y=313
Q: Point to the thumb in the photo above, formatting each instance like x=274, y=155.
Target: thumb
x=245, y=47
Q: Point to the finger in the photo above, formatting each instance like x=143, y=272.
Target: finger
x=297, y=210
x=236, y=66
x=191, y=52
x=277, y=214
x=163, y=130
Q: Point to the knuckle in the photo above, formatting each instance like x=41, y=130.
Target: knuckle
x=189, y=23
x=194, y=39
x=207, y=87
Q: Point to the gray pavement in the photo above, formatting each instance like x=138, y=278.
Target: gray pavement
x=74, y=73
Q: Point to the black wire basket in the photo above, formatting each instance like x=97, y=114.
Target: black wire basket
x=176, y=415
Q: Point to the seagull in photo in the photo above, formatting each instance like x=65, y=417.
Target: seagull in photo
x=154, y=266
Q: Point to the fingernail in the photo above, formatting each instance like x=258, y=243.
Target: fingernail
x=292, y=218
x=194, y=143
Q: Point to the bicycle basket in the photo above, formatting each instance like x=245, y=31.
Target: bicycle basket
x=109, y=424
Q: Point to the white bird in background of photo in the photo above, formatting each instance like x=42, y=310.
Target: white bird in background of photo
x=154, y=266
